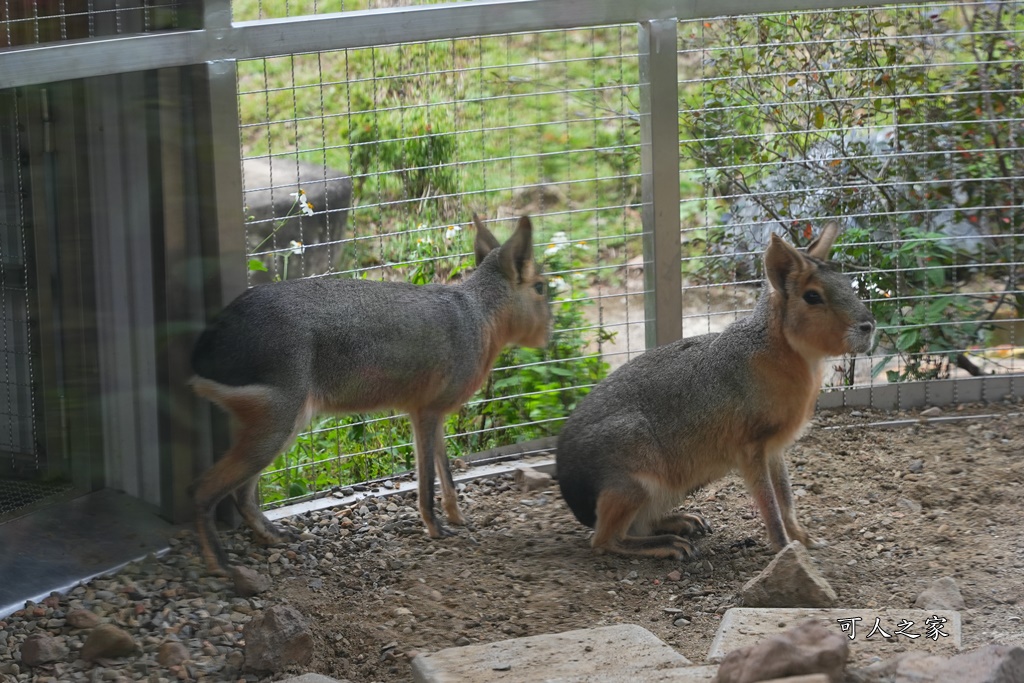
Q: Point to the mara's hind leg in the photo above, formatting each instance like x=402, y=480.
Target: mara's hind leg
x=616, y=511
x=683, y=524
x=428, y=432
x=449, y=497
x=247, y=502
x=265, y=424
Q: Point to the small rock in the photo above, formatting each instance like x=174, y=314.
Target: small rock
x=82, y=618
x=41, y=649
x=807, y=648
x=673, y=575
x=249, y=582
x=909, y=504
x=989, y=664
x=529, y=479
x=916, y=466
x=171, y=653
x=789, y=580
x=107, y=641
x=278, y=638
x=934, y=411
x=944, y=593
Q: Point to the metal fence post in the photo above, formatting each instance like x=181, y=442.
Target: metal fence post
x=659, y=155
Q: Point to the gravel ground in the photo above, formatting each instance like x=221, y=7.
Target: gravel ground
x=898, y=508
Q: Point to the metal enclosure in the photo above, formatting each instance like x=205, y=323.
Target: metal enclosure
x=122, y=225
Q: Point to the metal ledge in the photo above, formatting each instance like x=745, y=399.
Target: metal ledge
x=47, y=63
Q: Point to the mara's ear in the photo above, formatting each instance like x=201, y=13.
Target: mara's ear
x=485, y=242
x=822, y=245
x=517, y=251
x=780, y=260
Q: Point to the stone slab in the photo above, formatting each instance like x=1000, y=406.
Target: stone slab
x=742, y=626
x=608, y=654
x=312, y=678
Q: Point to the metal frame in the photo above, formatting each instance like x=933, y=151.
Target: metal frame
x=253, y=39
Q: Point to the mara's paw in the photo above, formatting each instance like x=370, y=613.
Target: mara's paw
x=273, y=534
x=685, y=524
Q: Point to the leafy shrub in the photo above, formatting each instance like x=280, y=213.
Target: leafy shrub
x=908, y=140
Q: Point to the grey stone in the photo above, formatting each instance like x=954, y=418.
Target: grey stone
x=107, y=641
x=807, y=648
x=989, y=664
x=278, y=638
x=529, y=479
x=571, y=656
x=41, y=649
x=934, y=411
x=249, y=582
x=944, y=593
x=275, y=220
x=809, y=678
x=789, y=580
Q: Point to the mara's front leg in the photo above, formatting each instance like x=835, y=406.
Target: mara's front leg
x=757, y=475
x=784, y=494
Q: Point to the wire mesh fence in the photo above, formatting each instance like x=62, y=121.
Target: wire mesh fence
x=17, y=420
x=44, y=21
x=900, y=122
x=369, y=163
x=904, y=123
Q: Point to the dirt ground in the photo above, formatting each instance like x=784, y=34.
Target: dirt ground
x=898, y=507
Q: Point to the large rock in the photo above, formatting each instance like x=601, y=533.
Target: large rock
x=989, y=664
x=807, y=648
x=276, y=639
x=39, y=649
x=944, y=593
x=274, y=220
x=789, y=580
x=107, y=641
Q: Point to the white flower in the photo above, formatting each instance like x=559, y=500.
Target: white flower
x=423, y=240
x=452, y=231
x=559, y=241
x=582, y=245
x=300, y=200
x=557, y=284
x=296, y=247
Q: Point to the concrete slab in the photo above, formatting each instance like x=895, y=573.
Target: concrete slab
x=313, y=678
x=742, y=626
x=608, y=654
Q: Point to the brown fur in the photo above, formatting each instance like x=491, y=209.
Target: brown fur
x=283, y=352
x=688, y=413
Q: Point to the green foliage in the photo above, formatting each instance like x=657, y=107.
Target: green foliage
x=910, y=140
x=417, y=152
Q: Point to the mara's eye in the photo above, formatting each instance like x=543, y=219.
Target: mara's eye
x=539, y=288
x=813, y=298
